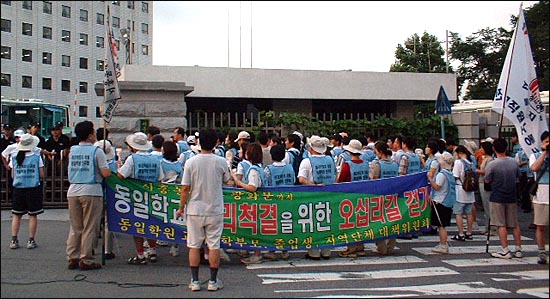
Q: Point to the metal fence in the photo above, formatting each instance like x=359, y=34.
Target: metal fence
x=55, y=184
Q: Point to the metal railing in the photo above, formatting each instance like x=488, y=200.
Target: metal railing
x=55, y=184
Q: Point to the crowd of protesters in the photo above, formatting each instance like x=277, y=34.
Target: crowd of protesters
x=253, y=162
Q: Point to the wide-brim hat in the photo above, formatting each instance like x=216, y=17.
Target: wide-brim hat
x=108, y=149
x=488, y=139
x=138, y=141
x=445, y=160
x=355, y=146
x=319, y=144
x=28, y=142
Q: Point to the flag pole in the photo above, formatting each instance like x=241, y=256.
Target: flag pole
x=513, y=43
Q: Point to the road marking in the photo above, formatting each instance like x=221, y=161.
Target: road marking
x=370, y=260
x=522, y=275
x=472, y=249
x=346, y=276
x=414, y=291
x=491, y=261
x=536, y=292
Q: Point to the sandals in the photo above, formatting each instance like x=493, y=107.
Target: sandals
x=459, y=238
x=468, y=236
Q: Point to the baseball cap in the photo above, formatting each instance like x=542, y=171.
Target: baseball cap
x=243, y=135
x=18, y=133
x=7, y=127
x=59, y=124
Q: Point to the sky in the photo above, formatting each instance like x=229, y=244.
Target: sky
x=311, y=35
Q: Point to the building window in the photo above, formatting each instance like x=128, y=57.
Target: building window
x=26, y=29
x=47, y=83
x=117, y=43
x=83, y=63
x=144, y=28
x=66, y=60
x=83, y=87
x=117, y=3
x=100, y=19
x=99, y=65
x=27, y=5
x=66, y=36
x=8, y=3
x=46, y=58
x=5, y=79
x=145, y=7
x=6, y=25
x=84, y=15
x=65, y=11
x=83, y=111
x=47, y=32
x=144, y=49
x=99, y=42
x=66, y=85
x=47, y=7
x=26, y=82
x=116, y=22
x=131, y=4
x=5, y=52
x=97, y=111
x=83, y=39
x=26, y=55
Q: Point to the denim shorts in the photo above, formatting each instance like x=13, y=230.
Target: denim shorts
x=461, y=208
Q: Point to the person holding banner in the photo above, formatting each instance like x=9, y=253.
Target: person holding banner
x=202, y=202
x=317, y=170
x=382, y=168
x=141, y=165
x=254, y=178
x=539, y=163
x=354, y=170
x=87, y=168
x=443, y=198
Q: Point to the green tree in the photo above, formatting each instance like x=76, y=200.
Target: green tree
x=420, y=55
x=482, y=54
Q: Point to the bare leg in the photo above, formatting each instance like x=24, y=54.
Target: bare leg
x=517, y=235
x=442, y=236
x=15, y=224
x=194, y=257
x=503, y=236
x=470, y=222
x=541, y=236
x=214, y=258
x=459, y=224
x=33, y=223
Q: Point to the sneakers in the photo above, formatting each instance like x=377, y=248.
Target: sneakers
x=518, y=254
x=73, y=264
x=137, y=261
x=195, y=285
x=459, y=238
x=174, y=250
x=216, y=285
x=502, y=255
x=162, y=243
x=14, y=244
x=109, y=255
x=31, y=244
x=224, y=257
x=440, y=249
x=91, y=266
x=151, y=254
x=543, y=258
x=253, y=259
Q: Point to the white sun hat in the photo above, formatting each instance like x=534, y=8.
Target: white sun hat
x=106, y=145
x=355, y=146
x=138, y=141
x=319, y=144
x=28, y=142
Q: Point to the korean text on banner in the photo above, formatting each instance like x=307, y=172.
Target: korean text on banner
x=518, y=90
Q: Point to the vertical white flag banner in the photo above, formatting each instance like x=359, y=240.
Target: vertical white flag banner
x=112, y=72
x=518, y=91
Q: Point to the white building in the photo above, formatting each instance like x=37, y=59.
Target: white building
x=55, y=50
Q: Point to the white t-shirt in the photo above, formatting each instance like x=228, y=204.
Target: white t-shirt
x=441, y=180
x=240, y=168
x=205, y=174
x=458, y=172
x=254, y=178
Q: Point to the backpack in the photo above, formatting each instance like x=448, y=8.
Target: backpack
x=470, y=182
x=296, y=164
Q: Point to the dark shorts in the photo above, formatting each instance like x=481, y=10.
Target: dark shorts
x=444, y=213
x=27, y=200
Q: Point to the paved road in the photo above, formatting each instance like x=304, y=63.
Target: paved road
x=412, y=272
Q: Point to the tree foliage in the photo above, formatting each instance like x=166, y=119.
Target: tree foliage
x=420, y=55
x=482, y=54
